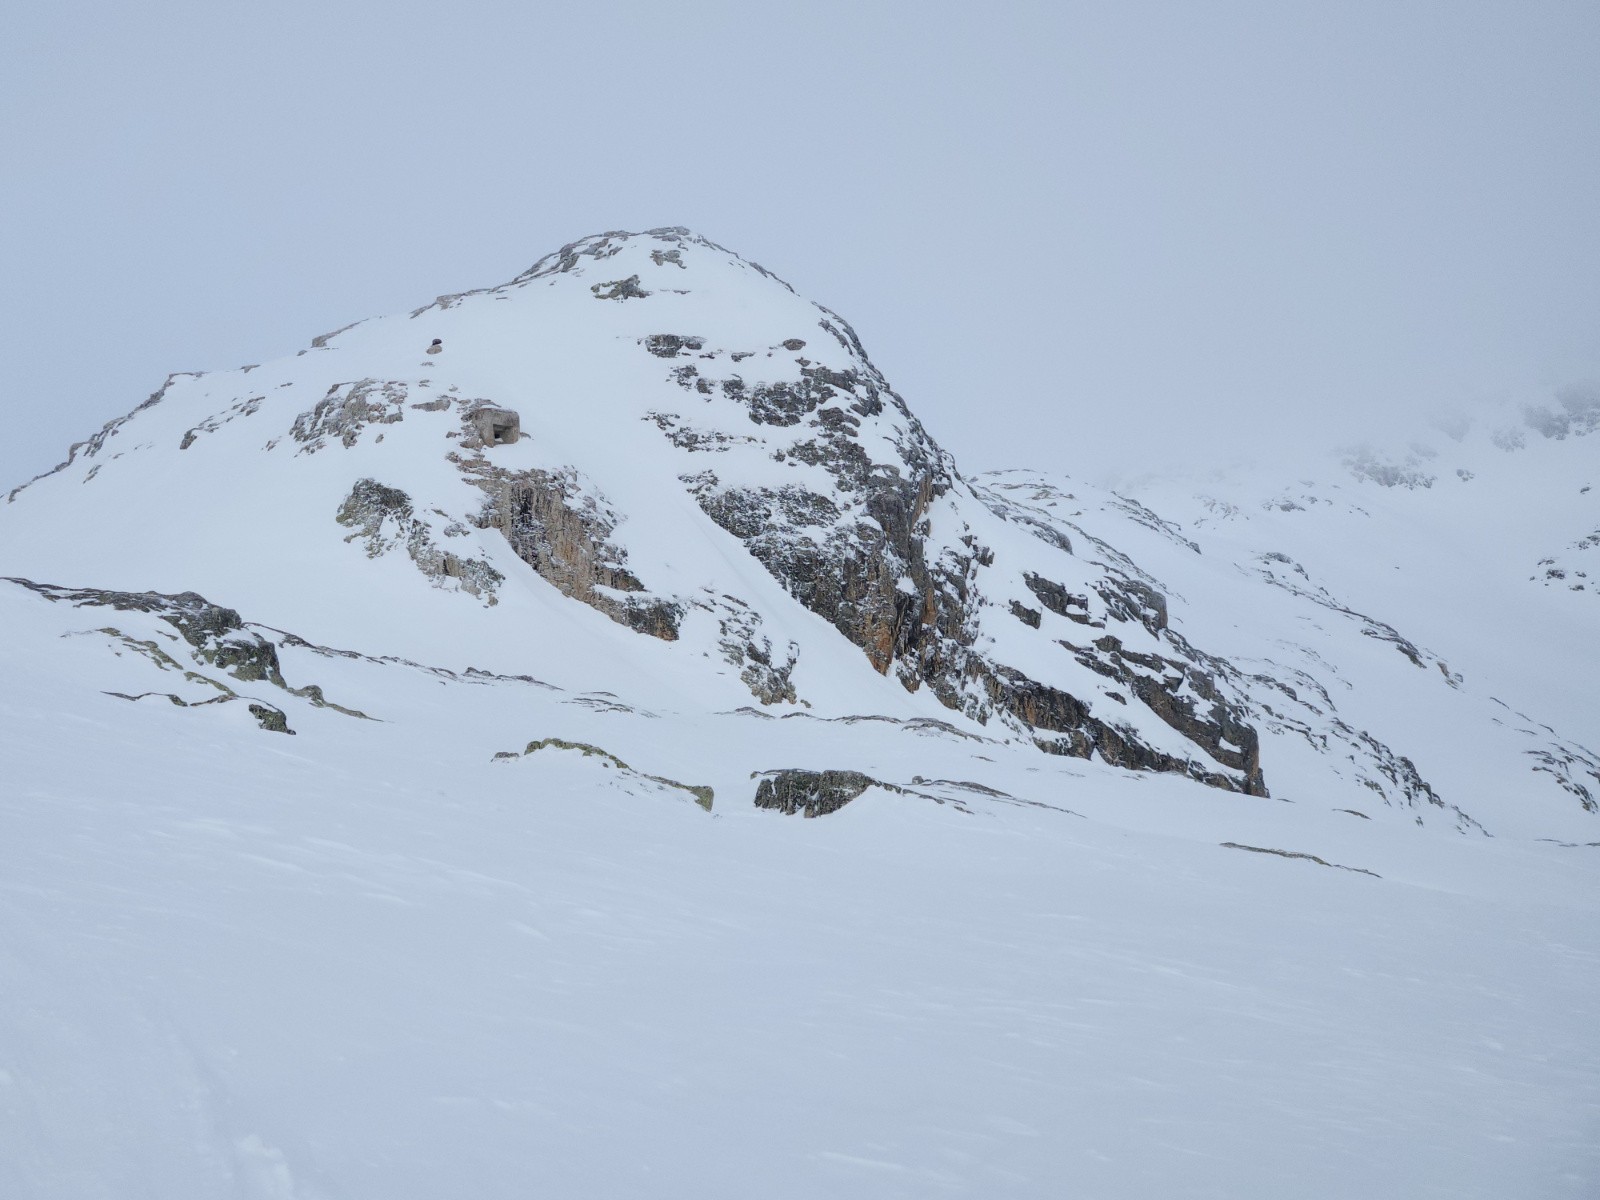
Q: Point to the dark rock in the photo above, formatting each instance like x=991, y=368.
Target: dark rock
x=1129, y=599
x=1169, y=686
x=1028, y=616
x=619, y=289
x=670, y=345
x=687, y=437
x=813, y=793
x=217, y=634
x=561, y=530
x=244, y=408
x=783, y=403
x=1058, y=599
x=346, y=410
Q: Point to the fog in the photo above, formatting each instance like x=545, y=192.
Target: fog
x=1094, y=238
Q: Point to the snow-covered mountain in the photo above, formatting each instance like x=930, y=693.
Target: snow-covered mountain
x=539, y=576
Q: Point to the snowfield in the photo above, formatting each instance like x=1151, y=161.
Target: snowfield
x=408, y=858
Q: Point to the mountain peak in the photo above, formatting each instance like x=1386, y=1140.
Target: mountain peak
x=620, y=265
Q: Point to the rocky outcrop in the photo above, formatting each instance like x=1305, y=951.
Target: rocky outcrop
x=1573, y=767
x=561, y=528
x=672, y=242
x=1058, y=599
x=242, y=408
x=217, y=637
x=273, y=720
x=1570, y=570
x=217, y=634
x=619, y=289
x=1031, y=617
x=1063, y=724
x=384, y=519
x=848, y=555
x=1190, y=695
x=670, y=345
x=811, y=793
x=346, y=411
x=686, y=436
x=763, y=668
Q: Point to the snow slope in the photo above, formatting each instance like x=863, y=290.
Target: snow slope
x=1410, y=612
x=501, y=916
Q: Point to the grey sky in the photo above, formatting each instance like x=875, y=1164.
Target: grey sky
x=1073, y=235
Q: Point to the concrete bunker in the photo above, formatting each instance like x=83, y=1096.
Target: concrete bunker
x=496, y=426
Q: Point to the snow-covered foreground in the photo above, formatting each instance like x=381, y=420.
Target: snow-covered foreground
x=373, y=962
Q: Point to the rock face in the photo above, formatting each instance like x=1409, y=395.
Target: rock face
x=560, y=528
x=811, y=793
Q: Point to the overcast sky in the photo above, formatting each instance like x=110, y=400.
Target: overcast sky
x=1072, y=235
